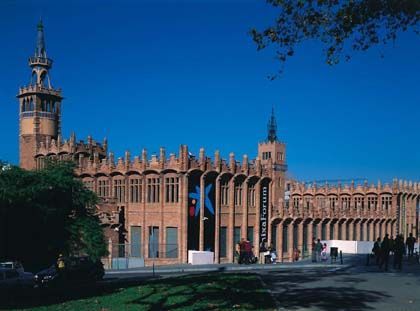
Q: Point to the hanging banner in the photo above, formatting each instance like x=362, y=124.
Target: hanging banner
x=264, y=205
x=193, y=238
x=209, y=211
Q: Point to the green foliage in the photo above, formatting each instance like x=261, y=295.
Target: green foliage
x=39, y=214
x=342, y=26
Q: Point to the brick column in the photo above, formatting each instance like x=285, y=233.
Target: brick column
x=290, y=240
x=257, y=217
x=217, y=222
x=231, y=226
x=327, y=230
x=184, y=218
x=300, y=238
x=244, y=209
x=280, y=241
x=202, y=189
x=336, y=228
x=358, y=230
x=363, y=228
x=310, y=235
x=351, y=230
x=377, y=232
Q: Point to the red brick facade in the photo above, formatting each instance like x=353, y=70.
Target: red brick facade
x=152, y=193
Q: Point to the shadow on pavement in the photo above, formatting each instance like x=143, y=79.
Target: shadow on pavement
x=292, y=292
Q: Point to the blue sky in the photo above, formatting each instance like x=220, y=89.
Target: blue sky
x=147, y=74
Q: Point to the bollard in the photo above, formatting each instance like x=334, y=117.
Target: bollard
x=153, y=268
x=367, y=259
x=341, y=257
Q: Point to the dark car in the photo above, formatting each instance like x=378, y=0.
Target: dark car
x=77, y=270
x=12, y=279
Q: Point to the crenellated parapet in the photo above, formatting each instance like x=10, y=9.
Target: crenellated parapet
x=106, y=164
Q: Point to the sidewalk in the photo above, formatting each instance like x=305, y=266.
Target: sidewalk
x=181, y=268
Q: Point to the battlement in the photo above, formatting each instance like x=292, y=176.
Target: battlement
x=40, y=61
x=300, y=188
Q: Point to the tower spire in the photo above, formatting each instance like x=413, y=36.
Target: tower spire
x=40, y=43
x=272, y=127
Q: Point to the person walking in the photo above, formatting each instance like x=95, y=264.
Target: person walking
x=263, y=250
x=376, y=250
x=318, y=250
x=410, y=244
x=398, y=252
x=385, y=252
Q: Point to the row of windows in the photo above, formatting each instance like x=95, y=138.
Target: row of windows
x=267, y=155
x=359, y=202
x=46, y=105
x=153, y=191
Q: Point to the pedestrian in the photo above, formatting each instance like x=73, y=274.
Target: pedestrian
x=318, y=250
x=376, y=250
x=247, y=252
x=410, y=244
x=314, y=250
x=398, y=252
x=385, y=252
x=61, y=266
x=324, y=252
x=263, y=250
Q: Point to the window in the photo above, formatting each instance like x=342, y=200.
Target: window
x=251, y=195
x=236, y=236
x=225, y=193
x=323, y=231
x=320, y=202
x=171, y=189
x=222, y=241
x=135, y=241
x=345, y=202
x=296, y=202
x=171, y=242
x=285, y=238
x=250, y=234
x=103, y=188
x=386, y=202
x=359, y=202
x=372, y=202
x=119, y=190
x=153, y=242
x=135, y=190
x=333, y=202
x=266, y=155
x=279, y=156
x=238, y=194
x=153, y=190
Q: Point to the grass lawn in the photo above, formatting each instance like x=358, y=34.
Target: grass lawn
x=218, y=291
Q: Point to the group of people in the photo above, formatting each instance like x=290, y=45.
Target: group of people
x=319, y=251
x=383, y=249
x=245, y=254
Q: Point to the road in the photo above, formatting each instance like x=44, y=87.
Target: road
x=358, y=287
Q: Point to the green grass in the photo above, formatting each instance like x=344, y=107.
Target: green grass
x=219, y=291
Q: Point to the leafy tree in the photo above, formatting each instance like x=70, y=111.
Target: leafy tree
x=47, y=212
x=342, y=26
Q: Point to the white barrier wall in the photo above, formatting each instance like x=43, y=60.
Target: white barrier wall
x=353, y=247
x=200, y=257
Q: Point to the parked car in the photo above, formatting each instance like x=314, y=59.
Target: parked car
x=77, y=270
x=11, y=279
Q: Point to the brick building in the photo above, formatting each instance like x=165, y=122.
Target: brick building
x=161, y=206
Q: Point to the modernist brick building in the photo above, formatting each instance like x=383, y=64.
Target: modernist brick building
x=163, y=205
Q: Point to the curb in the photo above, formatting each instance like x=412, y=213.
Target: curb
x=222, y=269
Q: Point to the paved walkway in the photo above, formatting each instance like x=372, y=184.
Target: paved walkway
x=186, y=268
x=356, y=287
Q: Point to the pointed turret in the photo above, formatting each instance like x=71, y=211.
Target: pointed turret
x=272, y=128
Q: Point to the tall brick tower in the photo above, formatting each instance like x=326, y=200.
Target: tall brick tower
x=39, y=106
x=272, y=154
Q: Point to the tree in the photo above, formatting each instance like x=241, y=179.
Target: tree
x=47, y=212
x=342, y=26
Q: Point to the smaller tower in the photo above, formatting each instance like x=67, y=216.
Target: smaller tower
x=39, y=106
x=273, y=151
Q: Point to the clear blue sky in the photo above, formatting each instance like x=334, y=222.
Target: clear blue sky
x=165, y=73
